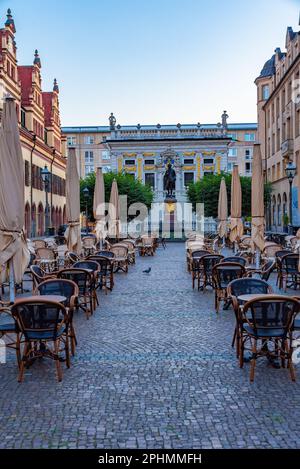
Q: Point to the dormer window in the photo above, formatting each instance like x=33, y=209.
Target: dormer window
x=265, y=92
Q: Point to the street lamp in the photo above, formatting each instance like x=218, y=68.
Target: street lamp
x=290, y=172
x=86, y=194
x=45, y=173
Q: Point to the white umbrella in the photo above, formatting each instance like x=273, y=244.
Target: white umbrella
x=99, y=206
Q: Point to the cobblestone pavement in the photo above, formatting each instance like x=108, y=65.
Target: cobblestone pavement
x=154, y=369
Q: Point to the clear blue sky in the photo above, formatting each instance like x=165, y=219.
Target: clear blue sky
x=152, y=61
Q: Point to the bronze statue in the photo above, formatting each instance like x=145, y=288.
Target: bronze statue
x=112, y=121
x=169, y=180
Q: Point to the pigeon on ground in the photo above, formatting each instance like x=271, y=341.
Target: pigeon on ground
x=147, y=271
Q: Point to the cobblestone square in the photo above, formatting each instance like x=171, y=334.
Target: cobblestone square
x=154, y=369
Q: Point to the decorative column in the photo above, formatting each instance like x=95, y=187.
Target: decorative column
x=198, y=167
x=120, y=164
x=140, y=168
x=218, y=159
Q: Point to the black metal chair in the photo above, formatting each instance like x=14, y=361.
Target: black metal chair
x=42, y=323
x=194, y=266
x=244, y=286
x=278, y=258
x=265, y=272
x=269, y=320
x=108, y=254
x=85, y=281
x=69, y=290
x=222, y=275
x=71, y=258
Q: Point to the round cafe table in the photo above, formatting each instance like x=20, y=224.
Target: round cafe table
x=242, y=299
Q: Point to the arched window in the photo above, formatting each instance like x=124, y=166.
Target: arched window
x=33, y=221
x=284, y=204
x=27, y=220
x=279, y=213
x=41, y=217
x=274, y=210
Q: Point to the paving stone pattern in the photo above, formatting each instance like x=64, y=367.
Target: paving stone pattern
x=154, y=369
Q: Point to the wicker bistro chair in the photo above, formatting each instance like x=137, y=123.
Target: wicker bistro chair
x=69, y=290
x=270, y=250
x=244, y=286
x=147, y=246
x=278, y=258
x=71, y=258
x=195, y=267
x=208, y=262
x=108, y=254
x=85, y=281
x=131, y=250
x=9, y=330
x=237, y=259
x=105, y=272
x=222, y=275
x=269, y=320
x=121, y=257
x=39, y=275
x=93, y=266
x=89, y=245
x=47, y=259
x=39, y=243
x=289, y=271
x=42, y=322
x=265, y=271
x=193, y=255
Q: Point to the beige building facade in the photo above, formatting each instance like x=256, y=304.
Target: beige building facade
x=42, y=141
x=116, y=148
x=278, y=107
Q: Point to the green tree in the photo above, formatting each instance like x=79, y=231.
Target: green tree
x=127, y=185
x=207, y=191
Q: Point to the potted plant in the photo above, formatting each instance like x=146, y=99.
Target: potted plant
x=285, y=221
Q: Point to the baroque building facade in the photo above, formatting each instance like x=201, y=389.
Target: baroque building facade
x=278, y=107
x=40, y=131
x=144, y=150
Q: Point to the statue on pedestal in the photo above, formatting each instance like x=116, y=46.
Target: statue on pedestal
x=169, y=181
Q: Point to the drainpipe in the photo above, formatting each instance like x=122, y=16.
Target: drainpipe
x=31, y=188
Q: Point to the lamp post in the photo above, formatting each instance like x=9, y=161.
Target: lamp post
x=86, y=194
x=45, y=173
x=290, y=172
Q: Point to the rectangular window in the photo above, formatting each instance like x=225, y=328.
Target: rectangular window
x=26, y=173
x=189, y=161
x=150, y=179
x=105, y=155
x=89, y=157
x=250, y=137
x=129, y=162
x=248, y=153
x=149, y=162
x=23, y=118
x=265, y=92
x=232, y=152
x=248, y=167
x=229, y=167
x=232, y=135
x=106, y=169
x=89, y=168
x=188, y=178
x=208, y=161
x=89, y=140
x=71, y=141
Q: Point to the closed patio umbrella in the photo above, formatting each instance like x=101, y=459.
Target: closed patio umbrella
x=222, y=210
x=99, y=206
x=114, y=211
x=236, y=224
x=73, y=232
x=257, y=202
x=13, y=245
